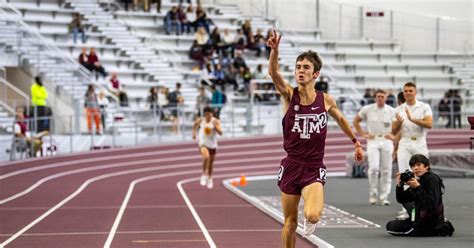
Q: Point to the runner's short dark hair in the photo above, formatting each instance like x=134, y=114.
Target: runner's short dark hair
x=313, y=57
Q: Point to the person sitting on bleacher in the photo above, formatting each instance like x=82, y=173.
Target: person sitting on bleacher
x=171, y=20
x=84, y=59
x=201, y=19
x=23, y=138
x=196, y=53
x=76, y=27
x=202, y=39
x=219, y=76
x=94, y=63
x=258, y=43
x=183, y=19
x=118, y=90
x=259, y=74
x=240, y=42
x=229, y=43
x=239, y=61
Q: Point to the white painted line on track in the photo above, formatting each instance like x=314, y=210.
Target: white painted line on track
x=222, y=150
x=272, y=212
x=132, y=163
x=191, y=207
x=195, y=214
x=84, y=185
x=144, y=232
x=126, y=200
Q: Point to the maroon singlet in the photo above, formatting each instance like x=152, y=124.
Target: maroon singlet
x=305, y=129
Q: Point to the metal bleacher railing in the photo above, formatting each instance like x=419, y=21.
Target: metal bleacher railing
x=60, y=72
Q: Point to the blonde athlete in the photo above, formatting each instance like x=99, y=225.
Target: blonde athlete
x=209, y=127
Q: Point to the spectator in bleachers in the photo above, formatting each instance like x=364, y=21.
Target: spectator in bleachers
x=368, y=97
x=158, y=5
x=183, y=19
x=191, y=16
x=322, y=84
x=196, y=53
x=240, y=41
x=229, y=42
x=76, y=28
x=444, y=109
x=202, y=101
x=218, y=100
x=230, y=76
x=201, y=19
x=152, y=99
x=216, y=42
x=258, y=73
x=118, y=90
x=92, y=109
x=201, y=37
x=176, y=99
x=219, y=76
x=247, y=29
x=259, y=43
x=391, y=101
x=171, y=21
x=243, y=78
x=94, y=63
x=457, y=103
x=163, y=102
x=103, y=106
x=239, y=61
x=84, y=59
x=23, y=138
x=126, y=3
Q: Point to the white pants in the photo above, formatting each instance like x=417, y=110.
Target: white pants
x=407, y=148
x=379, y=154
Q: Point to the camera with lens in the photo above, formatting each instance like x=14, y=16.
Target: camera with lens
x=406, y=176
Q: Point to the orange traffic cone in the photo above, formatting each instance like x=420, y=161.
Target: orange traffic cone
x=243, y=180
x=235, y=183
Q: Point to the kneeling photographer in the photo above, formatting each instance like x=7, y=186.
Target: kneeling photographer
x=422, y=200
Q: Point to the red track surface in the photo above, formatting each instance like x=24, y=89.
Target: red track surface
x=74, y=201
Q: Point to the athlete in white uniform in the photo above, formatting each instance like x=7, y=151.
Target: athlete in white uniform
x=378, y=117
x=208, y=127
x=412, y=121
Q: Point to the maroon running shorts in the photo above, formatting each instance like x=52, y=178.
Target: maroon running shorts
x=293, y=175
x=211, y=151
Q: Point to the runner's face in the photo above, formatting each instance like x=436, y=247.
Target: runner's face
x=208, y=116
x=304, y=72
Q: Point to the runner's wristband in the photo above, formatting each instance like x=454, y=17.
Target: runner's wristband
x=355, y=141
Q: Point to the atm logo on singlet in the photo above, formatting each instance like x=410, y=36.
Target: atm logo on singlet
x=306, y=124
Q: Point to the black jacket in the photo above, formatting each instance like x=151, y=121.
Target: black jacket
x=429, y=209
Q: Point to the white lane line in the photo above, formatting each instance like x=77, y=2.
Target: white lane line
x=145, y=232
x=83, y=186
x=126, y=200
x=222, y=149
x=270, y=211
x=195, y=214
x=133, y=163
x=129, y=207
x=191, y=207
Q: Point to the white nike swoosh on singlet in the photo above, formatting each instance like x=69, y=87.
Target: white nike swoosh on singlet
x=314, y=108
